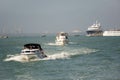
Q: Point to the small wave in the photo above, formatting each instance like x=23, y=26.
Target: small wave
x=76, y=52
x=54, y=44
x=51, y=44
x=73, y=43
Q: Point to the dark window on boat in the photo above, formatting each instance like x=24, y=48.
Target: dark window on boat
x=27, y=51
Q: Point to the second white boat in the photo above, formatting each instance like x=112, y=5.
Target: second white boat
x=62, y=38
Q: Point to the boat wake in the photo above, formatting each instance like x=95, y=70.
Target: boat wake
x=54, y=44
x=17, y=57
x=55, y=56
x=22, y=58
x=51, y=44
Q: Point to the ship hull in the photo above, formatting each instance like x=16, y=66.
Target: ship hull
x=95, y=33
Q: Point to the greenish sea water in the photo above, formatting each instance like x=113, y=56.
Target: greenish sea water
x=84, y=58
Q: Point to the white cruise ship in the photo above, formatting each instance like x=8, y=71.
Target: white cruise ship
x=112, y=33
x=95, y=30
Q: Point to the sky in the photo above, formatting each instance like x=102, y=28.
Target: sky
x=52, y=16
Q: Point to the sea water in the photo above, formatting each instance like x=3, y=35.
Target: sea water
x=84, y=58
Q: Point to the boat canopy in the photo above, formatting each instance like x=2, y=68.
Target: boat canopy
x=32, y=46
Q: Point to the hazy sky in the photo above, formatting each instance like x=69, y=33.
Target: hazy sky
x=37, y=16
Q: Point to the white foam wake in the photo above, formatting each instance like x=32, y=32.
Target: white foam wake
x=52, y=44
x=60, y=55
x=21, y=58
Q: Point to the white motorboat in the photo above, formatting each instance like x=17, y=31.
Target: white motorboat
x=62, y=38
x=32, y=51
x=111, y=33
x=95, y=30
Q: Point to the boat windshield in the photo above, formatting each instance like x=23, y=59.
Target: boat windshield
x=33, y=46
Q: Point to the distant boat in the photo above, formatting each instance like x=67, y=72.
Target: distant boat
x=62, y=38
x=3, y=36
x=32, y=51
x=43, y=35
x=112, y=33
x=76, y=33
x=95, y=30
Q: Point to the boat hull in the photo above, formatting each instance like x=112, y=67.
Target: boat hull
x=61, y=42
x=95, y=33
x=32, y=56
